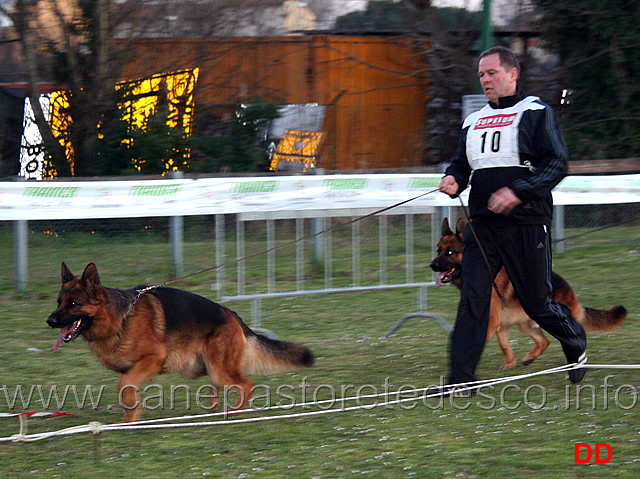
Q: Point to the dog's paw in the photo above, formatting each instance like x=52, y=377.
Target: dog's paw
x=508, y=365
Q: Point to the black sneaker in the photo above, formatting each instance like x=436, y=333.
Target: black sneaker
x=576, y=375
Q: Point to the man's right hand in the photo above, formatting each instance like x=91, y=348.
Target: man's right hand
x=449, y=185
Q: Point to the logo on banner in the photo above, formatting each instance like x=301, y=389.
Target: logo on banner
x=345, y=184
x=51, y=192
x=255, y=187
x=424, y=183
x=154, y=190
x=495, y=121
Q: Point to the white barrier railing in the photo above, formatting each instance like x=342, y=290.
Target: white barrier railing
x=323, y=252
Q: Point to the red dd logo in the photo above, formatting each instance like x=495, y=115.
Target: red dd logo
x=597, y=447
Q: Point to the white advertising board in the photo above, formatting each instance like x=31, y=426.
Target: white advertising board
x=39, y=200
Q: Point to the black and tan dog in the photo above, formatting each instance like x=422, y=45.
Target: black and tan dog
x=166, y=330
x=508, y=312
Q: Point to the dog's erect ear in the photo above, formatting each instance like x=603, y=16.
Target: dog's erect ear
x=461, y=225
x=446, y=231
x=66, y=274
x=90, y=276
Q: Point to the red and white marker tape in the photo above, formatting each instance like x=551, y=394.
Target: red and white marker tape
x=34, y=414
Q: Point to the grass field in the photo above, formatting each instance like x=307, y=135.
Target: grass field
x=526, y=428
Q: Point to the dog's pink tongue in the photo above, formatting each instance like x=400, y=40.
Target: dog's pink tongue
x=439, y=279
x=63, y=333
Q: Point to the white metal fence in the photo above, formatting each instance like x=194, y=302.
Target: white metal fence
x=312, y=230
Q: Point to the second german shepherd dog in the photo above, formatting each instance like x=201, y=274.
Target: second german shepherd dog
x=508, y=312
x=166, y=330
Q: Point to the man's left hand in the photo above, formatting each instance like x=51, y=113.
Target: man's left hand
x=503, y=201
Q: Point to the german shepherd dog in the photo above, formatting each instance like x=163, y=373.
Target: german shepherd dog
x=166, y=330
x=508, y=312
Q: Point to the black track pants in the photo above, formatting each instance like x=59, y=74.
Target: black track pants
x=525, y=252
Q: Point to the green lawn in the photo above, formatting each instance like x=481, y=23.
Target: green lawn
x=526, y=428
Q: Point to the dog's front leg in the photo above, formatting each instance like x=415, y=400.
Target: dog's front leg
x=131, y=381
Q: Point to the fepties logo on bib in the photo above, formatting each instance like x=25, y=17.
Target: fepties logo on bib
x=495, y=121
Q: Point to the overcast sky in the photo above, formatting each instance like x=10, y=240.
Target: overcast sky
x=468, y=4
x=502, y=11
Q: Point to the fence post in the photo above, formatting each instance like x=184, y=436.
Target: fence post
x=318, y=225
x=20, y=250
x=219, y=227
x=437, y=216
x=408, y=244
x=271, y=255
x=299, y=254
x=382, y=242
x=558, y=227
x=176, y=233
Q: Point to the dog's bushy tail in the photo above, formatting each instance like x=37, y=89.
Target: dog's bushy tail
x=601, y=320
x=592, y=320
x=266, y=355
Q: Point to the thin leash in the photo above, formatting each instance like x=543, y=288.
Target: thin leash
x=142, y=291
x=486, y=260
x=566, y=238
x=484, y=255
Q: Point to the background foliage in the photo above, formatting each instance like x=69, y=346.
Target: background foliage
x=598, y=44
x=591, y=53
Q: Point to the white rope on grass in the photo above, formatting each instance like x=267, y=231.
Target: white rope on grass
x=609, y=366
x=483, y=382
x=97, y=428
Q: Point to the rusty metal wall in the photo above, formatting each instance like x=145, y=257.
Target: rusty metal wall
x=375, y=88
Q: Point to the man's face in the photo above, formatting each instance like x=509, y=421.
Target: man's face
x=495, y=80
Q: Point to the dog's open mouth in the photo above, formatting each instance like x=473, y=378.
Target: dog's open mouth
x=69, y=333
x=445, y=277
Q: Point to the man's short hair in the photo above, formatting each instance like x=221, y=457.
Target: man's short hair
x=508, y=59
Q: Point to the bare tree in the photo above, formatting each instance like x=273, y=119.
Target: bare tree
x=20, y=18
x=450, y=57
x=84, y=46
x=70, y=44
